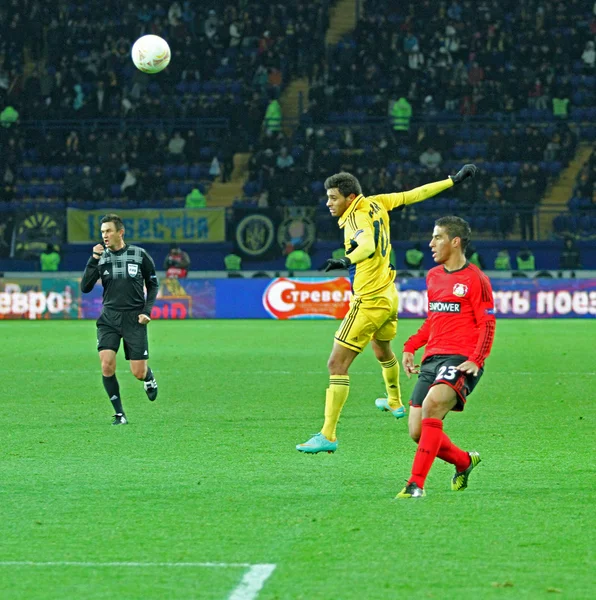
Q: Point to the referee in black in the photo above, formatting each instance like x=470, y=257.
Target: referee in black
x=125, y=271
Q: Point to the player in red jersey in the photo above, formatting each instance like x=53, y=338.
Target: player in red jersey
x=458, y=334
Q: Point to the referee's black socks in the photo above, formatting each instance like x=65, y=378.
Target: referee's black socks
x=149, y=375
x=113, y=390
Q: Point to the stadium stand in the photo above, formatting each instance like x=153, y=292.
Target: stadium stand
x=92, y=131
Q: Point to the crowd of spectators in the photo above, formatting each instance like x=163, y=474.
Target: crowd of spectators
x=447, y=63
x=465, y=57
x=486, y=59
x=133, y=164
x=291, y=171
x=580, y=220
x=228, y=59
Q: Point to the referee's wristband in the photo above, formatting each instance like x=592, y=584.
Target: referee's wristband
x=96, y=255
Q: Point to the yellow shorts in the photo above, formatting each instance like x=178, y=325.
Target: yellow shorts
x=369, y=318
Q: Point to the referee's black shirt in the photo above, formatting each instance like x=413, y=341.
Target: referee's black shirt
x=124, y=274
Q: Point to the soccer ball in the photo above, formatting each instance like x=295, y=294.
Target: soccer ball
x=151, y=54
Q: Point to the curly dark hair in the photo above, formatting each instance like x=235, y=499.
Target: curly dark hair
x=346, y=183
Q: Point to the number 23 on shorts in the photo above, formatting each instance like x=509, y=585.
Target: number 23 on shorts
x=448, y=373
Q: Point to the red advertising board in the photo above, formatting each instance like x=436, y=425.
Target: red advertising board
x=308, y=298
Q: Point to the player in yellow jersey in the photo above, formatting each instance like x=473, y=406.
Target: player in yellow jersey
x=373, y=309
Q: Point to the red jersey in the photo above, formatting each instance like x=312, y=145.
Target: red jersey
x=461, y=315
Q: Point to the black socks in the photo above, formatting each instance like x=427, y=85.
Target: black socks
x=113, y=390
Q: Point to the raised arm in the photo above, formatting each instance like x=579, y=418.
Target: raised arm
x=401, y=199
x=91, y=273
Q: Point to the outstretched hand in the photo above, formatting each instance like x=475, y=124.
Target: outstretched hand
x=337, y=263
x=465, y=172
x=469, y=367
x=407, y=361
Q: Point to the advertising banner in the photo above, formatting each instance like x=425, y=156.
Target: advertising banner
x=188, y=225
x=286, y=298
x=307, y=298
x=40, y=298
x=517, y=298
x=176, y=299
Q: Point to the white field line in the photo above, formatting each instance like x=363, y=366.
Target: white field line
x=248, y=589
x=252, y=582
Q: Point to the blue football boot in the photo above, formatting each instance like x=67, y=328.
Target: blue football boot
x=317, y=443
x=383, y=404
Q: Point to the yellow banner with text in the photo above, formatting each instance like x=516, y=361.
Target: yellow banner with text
x=188, y=225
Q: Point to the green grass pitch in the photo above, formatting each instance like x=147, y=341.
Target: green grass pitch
x=209, y=474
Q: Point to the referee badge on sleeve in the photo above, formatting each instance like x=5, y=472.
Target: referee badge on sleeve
x=133, y=269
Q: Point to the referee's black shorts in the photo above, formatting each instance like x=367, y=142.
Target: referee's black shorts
x=115, y=325
x=441, y=368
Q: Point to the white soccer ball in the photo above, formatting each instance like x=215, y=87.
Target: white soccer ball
x=151, y=54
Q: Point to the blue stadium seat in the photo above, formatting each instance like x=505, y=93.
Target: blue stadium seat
x=35, y=190
x=524, y=114
x=499, y=169
x=184, y=188
x=440, y=204
x=488, y=167
x=40, y=172
x=194, y=172
x=57, y=172
x=585, y=203
x=26, y=173
x=574, y=204
x=317, y=188
x=555, y=167
x=221, y=87
x=425, y=224
x=181, y=172
x=251, y=188
x=585, y=224
x=481, y=223
x=579, y=114
x=48, y=190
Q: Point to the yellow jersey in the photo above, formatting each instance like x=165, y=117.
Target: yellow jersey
x=367, y=240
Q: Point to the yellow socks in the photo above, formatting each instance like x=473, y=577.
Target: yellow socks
x=391, y=377
x=335, y=398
